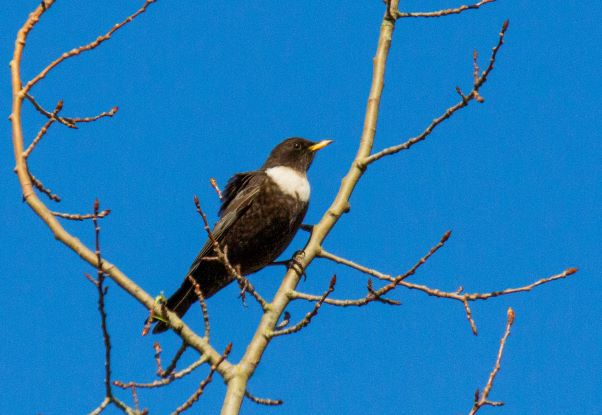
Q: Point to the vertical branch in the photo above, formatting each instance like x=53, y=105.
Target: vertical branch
x=100, y=278
x=237, y=382
x=482, y=399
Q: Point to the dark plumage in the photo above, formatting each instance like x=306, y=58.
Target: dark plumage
x=261, y=212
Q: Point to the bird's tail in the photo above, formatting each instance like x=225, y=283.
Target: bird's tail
x=179, y=303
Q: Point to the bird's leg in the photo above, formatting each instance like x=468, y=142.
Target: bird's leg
x=293, y=263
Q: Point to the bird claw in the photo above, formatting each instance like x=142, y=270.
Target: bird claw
x=296, y=265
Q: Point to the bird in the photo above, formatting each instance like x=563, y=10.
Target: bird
x=260, y=213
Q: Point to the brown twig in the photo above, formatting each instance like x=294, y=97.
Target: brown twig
x=263, y=401
x=307, y=319
x=37, y=183
x=105, y=402
x=197, y=394
x=466, y=99
x=48, y=114
x=373, y=295
x=158, y=350
x=202, y=303
x=100, y=278
x=79, y=217
x=58, y=231
x=221, y=254
x=165, y=381
x=44, y=129
x=445, y=12
x=70, y=122
x=464, y=298
x=473, y=325
x=481, y=399
x=78, y=120
x=172, y=365
x=84, y=48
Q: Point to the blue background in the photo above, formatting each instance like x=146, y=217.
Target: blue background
x=205, y=89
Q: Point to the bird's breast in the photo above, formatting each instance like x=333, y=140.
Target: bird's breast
x=290, y=182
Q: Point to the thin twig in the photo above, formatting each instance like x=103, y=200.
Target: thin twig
x=307, y=319
x=373, y=295
x=44, y=129
x=158, y=350
x=37, y=183
x=263, y=401
x=445, y=12
x=100, y=278
x=197, y=394
x=84, y=48
x=79, y=217
x=481, y=399
x=105, y=402
x=221, y=253
x=473, y=325
x=466, y=99
x=165, y=381
x=172, y=365
x=202, y=303
x=48, y=114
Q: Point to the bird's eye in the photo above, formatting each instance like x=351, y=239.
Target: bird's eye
x=297, y=146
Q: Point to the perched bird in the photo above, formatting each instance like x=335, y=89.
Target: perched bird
x=260, y=213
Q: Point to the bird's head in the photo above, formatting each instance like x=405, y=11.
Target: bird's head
x=296, y=153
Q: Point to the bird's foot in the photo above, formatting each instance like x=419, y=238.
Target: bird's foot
x=295, y=264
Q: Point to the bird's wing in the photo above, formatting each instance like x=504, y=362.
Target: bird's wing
x=237, y=197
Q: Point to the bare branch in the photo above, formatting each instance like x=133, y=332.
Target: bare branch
x=202, y=303
x=37, y=183
x=44, y=129
x=79, y=217
x=105, y=402
x=482, y=399
x=484, y=296
x=165, y=381
x=197, y=394
x=84, y=48
x=48, y=114
x=100, y=278
x=263, y=401
x=473, y=325
x=307, y=319
x=466, y=99
x=70, y=122
x=58, y=231
x=445, y=12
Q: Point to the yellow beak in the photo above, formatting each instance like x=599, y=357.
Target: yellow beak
x=319, y=145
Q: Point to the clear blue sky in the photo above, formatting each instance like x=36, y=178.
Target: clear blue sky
x=205, y=89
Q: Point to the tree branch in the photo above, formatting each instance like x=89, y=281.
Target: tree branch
x=84, y=48
x=307, y=319
x=466, y=99
x=481, y=400
x=30, y=197
x=445, y=12
x=237, y=384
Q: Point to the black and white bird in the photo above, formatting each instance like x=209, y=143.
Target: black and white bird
x=260, y=213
